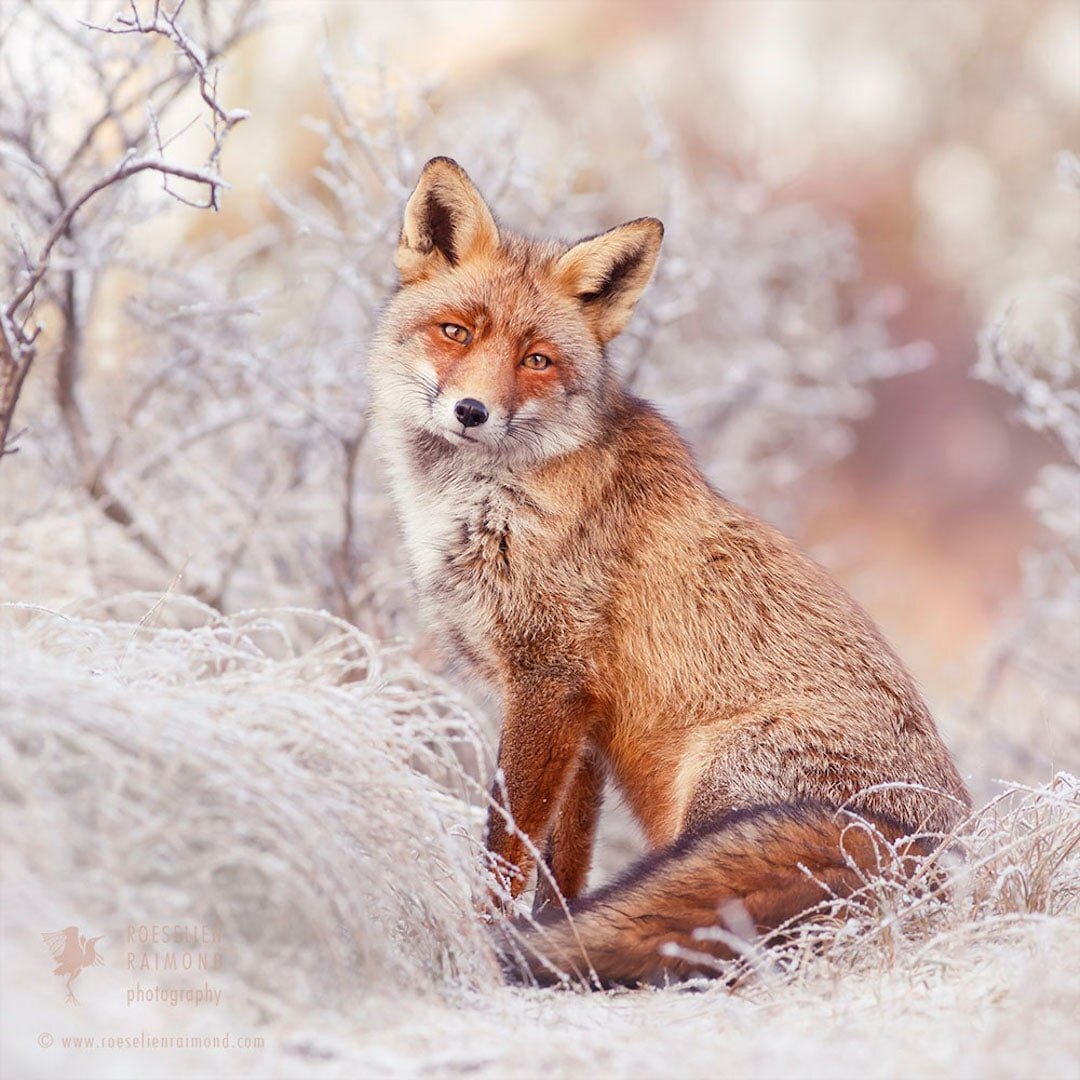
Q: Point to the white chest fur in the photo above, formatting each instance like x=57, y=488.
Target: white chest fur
x=454, y=508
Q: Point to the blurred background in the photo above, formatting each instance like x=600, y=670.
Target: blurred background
x=853, y=193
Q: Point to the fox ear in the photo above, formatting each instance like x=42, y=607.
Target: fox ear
x=608, y=273
x=446, y=222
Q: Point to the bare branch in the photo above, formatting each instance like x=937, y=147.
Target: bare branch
x=18, y=334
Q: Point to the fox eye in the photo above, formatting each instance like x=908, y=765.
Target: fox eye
x=536, y=362
x=457, y=333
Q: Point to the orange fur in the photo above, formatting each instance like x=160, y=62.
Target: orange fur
x=639, y=627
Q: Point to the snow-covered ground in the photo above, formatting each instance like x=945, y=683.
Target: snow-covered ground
x=277, y=780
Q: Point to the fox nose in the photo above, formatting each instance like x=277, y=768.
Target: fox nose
x=470, y=412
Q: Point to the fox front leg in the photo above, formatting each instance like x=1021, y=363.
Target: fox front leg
x=569, y=848
x=543, y=742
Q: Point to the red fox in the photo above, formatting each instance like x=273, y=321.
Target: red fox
x=640, y=628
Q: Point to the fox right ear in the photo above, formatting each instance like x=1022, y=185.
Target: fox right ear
x=446, y=222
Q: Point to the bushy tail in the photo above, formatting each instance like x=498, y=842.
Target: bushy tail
x=749, y=872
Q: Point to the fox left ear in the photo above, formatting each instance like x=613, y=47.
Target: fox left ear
x=609, y=272
x=446, y=222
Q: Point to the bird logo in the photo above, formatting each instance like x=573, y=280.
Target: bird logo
x=72, y=952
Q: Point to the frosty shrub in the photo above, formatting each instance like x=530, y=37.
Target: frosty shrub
x=87, y=111
x=196, y=407
x=278, y=775
x=312, y=801
x=1031, y=348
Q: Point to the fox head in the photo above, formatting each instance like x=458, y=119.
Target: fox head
x=494, y=343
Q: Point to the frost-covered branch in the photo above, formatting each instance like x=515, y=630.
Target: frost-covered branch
x=1031, y=349
x=74, y=179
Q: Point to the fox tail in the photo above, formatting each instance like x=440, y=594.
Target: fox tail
x=747, y=872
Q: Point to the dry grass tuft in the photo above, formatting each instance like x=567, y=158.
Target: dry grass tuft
x=307, y=799
x=279, y=774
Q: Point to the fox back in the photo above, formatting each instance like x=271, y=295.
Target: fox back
x=641, y=629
